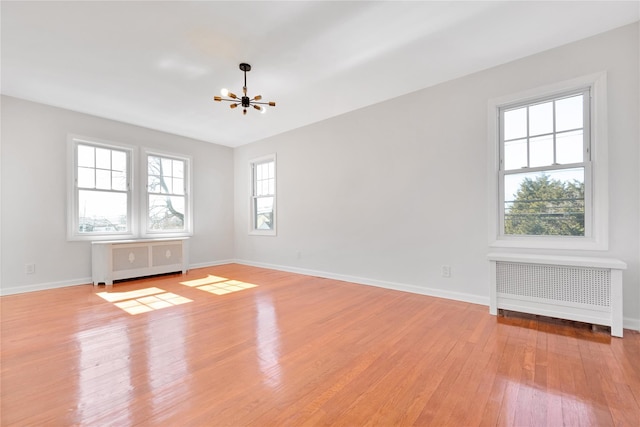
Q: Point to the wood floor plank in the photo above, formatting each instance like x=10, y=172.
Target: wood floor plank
x=235, y=345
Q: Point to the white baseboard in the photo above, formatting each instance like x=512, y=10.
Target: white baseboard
x=457, y=296
x=12, y=290
x=628, y=322
x=211, y=264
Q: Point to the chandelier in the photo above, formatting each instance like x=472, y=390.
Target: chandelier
x=244, y=100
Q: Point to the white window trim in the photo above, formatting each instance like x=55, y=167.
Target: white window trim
x=72, y=191
x=252, y=229
x=144, y=200
x=599, y=239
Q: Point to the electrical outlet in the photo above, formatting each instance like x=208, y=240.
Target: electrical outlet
x=29, y=268
x=445, y=271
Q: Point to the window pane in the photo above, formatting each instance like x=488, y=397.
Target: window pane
x=153, y=165
x=103, y=158
x=569, y=147
x=86, y=178
x=119, y=161
x=569, y=113
x=178, y=169
x=515, y=154
x=541, y=151
x=272, y=169
x=86, y=156
x=178, y=186
x=272, y=186
x=166, y=166
x=264, y=213
x=119, y=181
x=545, y=203
x=541, y=119
x=515, y=123
x=153, y=184
x=166, y=186
x=100, y=211
x=103, y=179
x=166, y=212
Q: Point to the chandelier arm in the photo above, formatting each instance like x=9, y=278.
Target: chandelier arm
x=245, y=101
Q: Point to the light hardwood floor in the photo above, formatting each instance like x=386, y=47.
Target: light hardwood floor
x=290, y=350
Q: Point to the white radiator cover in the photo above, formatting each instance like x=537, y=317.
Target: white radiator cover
x=126, y=259
x=583, y=289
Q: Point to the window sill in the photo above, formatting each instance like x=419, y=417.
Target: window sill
x=262, y=233
x=567, y=243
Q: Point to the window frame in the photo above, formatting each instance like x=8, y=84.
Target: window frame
x=253, y=198
x=144, y=195
x=596, y=167
x=73, y=219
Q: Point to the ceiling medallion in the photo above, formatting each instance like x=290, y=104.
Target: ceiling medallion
x=244, y=101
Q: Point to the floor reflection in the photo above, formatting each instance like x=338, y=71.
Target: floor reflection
x=167, y=366
x=268, y=340
x=104, y=383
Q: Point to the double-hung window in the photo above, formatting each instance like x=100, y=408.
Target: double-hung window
x=545, y=166
x=101, y=198
x=263, y=195
x=111, y=196
x=549, y=194
x=167, y=196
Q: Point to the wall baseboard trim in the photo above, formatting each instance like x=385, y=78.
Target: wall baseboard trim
x=12, y=290
x=628, y=322
x=21, y=289
x=439, y=293
x=211, y=264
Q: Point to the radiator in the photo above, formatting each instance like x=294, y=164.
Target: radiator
x=583, y=289
x=126, y=259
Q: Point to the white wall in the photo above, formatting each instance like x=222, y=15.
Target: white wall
x=388, y=194
x=34, y=191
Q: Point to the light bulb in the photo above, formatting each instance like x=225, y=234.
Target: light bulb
x=224, y=91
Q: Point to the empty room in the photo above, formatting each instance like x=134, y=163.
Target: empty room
x=314, y=213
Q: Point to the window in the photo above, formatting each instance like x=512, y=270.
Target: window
x=106, y=201
x=543, y=164
x=100, y=202
x=547, y=191
x=166, y=194
x=263, y=195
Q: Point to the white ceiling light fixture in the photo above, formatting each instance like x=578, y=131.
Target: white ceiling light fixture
x=244, y=100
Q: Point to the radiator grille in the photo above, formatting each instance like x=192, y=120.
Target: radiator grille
x=581, y=285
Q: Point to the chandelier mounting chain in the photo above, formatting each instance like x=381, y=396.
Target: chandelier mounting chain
x=244, y=101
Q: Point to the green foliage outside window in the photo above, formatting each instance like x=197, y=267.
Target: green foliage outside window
x=545, y=206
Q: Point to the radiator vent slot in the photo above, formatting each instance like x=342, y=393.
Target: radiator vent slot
x=581, y=285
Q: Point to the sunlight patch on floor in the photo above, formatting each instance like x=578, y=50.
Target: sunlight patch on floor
x=143, y=300
x=218, y=285
x=204, y=281
x=120, y=296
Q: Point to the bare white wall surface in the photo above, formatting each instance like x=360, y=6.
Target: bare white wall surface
x=34, y=193
x=388, y=194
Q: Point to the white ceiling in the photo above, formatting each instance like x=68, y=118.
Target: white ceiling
x=159, y=64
